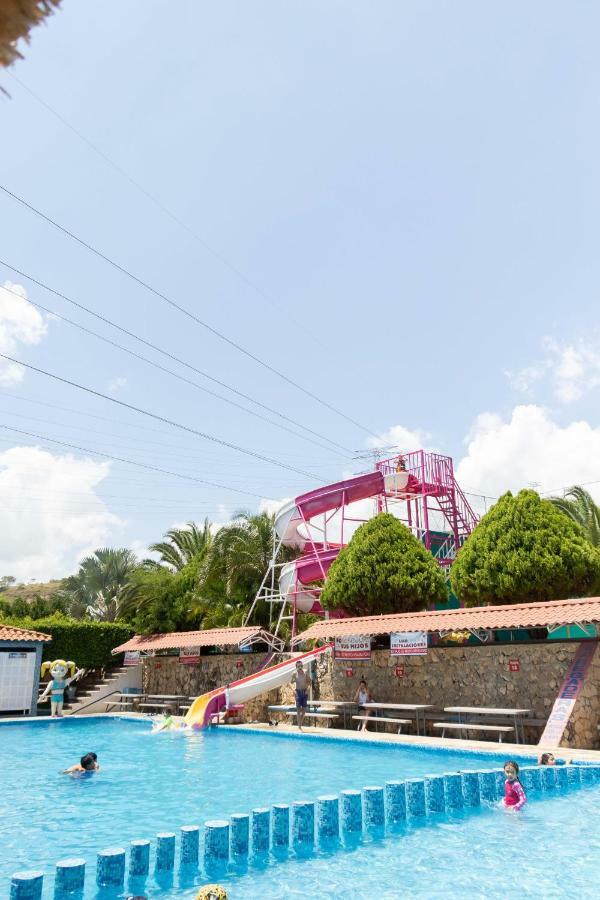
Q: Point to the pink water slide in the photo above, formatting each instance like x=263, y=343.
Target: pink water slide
x=292, y=524
x=420, y=485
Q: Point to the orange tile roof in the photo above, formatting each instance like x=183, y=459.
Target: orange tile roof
x=518, y=615
x=10, y=633
x=213, y=637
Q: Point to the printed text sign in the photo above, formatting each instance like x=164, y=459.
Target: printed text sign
x=408, y=643
x=353, y=646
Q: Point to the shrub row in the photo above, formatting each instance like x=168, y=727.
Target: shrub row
x=87, y=643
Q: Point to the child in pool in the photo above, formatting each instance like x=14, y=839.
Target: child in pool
x=549, y=759
x=87, y=763
x=514, y=795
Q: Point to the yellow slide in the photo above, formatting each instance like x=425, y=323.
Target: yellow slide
x=198, y=712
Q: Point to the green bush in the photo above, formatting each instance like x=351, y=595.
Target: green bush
x=384, y=569
x=523, y=550
x=87, y=643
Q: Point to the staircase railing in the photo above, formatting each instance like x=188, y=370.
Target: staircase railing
x=97, y=700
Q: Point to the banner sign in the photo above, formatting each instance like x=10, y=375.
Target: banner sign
x=189, y=656
x=132, y=658
x=408, y=643
x=353, y=646
x=564, y=703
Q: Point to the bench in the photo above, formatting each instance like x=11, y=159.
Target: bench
x=474, y=726
x=314, y=715
x=383, y=719
x=157, y=705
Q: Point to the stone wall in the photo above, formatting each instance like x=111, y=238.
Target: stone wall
x=471, y=676
x=166, y=675
x=447, y=676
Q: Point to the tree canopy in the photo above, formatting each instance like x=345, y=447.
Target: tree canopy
x=524, y=549
x=383, y=569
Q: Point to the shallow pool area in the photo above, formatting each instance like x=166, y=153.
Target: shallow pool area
x=150, y=783
x=550, y=850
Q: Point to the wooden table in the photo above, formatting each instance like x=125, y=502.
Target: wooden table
x=491, y=711
x=414, y=707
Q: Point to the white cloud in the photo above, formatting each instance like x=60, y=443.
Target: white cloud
x=20, y=323
x=400, y=438
x=50, y=514
x=529, y=449
x=572, y=369
x=116, y=385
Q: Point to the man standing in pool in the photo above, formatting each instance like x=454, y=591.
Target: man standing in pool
x=301, y=680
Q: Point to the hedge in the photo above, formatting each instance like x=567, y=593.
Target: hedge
x=87, y=643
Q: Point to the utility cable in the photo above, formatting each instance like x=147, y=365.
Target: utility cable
x=166, y=211
x=156, y=365
x=182, y=309
x=131, y=462
x=145, y=412
x=166, y=353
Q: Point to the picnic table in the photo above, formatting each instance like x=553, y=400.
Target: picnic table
x=162, y=701
x=417, y=708
x=471, y=711
x=124, y=700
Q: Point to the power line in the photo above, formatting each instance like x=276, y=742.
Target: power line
x=166, y=353
x=156, y=365
x=183, y=310
x=131, y=462
x=164, y=209
x=145, y=412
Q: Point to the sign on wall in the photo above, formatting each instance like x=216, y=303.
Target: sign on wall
x=189, y=656
x=353, y=646
x=408, y=643
x=399, y=671
x=564, y=703
x=132, y=658
x=514, y=665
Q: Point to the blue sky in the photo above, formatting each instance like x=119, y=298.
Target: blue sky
x=394, y=204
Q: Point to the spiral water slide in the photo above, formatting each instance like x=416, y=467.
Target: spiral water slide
x=292, y=524
x=208, y=705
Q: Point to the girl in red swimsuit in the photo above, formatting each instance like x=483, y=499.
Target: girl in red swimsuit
x=514, y=795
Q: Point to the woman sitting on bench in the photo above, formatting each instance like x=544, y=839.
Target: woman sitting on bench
x=361, y=697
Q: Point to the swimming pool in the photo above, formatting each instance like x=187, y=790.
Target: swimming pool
x=150, y=783
x=550, y=850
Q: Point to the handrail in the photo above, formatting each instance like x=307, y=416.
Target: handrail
x=97, y=700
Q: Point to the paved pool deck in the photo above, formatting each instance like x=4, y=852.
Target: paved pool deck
x=377, y=737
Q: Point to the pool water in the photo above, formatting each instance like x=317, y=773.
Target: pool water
x=549, y=850
x=158, y=782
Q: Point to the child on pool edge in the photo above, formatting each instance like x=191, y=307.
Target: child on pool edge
x=514, y=795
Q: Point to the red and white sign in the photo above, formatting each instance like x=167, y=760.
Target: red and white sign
x=399, y=671
x=189, y=656
x=238, y=664
x=514, y=665
x=408, y=643
x=132, y=658
x=353, y=646
x=349, y=673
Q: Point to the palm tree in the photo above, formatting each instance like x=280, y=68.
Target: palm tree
x=579, y=506
x=100, y=586
x=182, y=545
x=241, y=554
